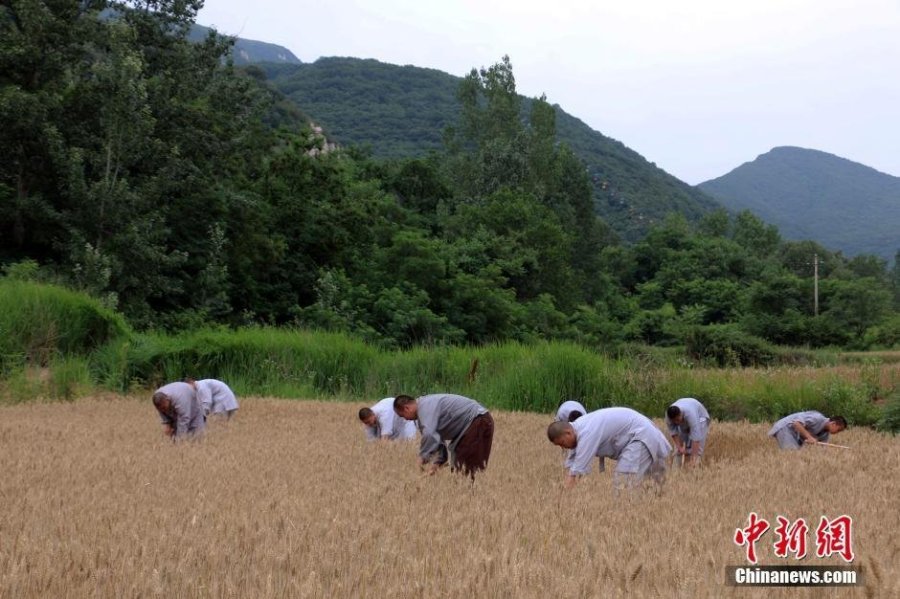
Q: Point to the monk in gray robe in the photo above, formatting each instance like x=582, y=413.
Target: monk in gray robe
x=215, y=397
x=464, y=424
x=688, y=423
x=570, y=411
x=179, y=410
x=792, y=432
x=621, y=434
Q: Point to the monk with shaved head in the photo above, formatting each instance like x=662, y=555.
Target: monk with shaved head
x=179, y=410
x=463, y=424
x=630, y=438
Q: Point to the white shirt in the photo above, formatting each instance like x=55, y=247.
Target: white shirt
x=215, y=396
x=388, y=424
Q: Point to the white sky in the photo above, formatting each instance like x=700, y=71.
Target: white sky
x=696, y=86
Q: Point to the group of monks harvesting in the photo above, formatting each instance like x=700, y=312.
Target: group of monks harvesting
x=459, y=430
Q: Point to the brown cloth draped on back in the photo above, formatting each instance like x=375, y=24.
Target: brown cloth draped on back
x=474, y=448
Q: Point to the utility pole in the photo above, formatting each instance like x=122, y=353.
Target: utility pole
x=816, y=284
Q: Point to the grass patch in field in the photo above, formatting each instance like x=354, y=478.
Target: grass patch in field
x=64, y=379
x=77, y=344
x=39, y=323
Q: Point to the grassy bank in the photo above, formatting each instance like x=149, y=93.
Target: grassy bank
x=59, y=344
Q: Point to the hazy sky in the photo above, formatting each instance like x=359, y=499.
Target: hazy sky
x=696, y=86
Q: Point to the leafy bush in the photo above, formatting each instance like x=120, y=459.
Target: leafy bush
x=890, y=415
x=727, y=345
x=39, y=322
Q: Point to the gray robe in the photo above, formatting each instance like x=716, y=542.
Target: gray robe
x=788, y=438
x=444, y=417
x=186, y=416
x=695, y=426
x=216, y=397
x=607, y=433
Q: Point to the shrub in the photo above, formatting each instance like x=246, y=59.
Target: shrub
x=727, y=345
x=39, y=322
x=890, y=414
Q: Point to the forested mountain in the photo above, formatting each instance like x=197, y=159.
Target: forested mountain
x=809, y=194
x=250, y=51
x=401, y=112
x=150, y=172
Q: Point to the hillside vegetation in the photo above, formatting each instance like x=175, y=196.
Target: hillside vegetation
x=184, y=193
x=809, y=194
x=402, y=111
x=60, y=344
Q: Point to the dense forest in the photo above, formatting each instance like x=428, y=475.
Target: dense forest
x=149, y=171
x=403, y=111
x=810, y=194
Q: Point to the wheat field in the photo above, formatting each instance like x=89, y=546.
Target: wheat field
x=288, y=500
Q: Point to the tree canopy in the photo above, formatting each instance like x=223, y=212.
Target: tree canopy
x=145, y=169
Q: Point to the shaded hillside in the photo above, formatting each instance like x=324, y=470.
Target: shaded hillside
x=810, y=194
x=402, y=111
x=250, y=51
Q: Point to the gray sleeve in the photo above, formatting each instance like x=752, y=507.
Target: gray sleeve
x=182, y=420
x=692, y=418
x=580, y=459
x=204, y=396
x=570, y=455
x=428, y=425
x=814, y=423
x=430, y=443
x=581, y=463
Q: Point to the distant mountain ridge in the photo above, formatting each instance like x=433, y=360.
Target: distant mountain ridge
x=250, y=51
x=401, y=111
x=809, y=194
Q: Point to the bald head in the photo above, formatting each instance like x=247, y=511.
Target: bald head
x=406, y=407
x=562, y=433
x=162, y=402
x=557, y=429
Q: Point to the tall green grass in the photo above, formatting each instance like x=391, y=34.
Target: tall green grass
x=40, y=323
x=57, y=344
x=510, y=376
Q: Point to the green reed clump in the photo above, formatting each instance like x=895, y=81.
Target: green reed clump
x=56, y=344
x=62, y=379
x=265, y=361
x=39, y=323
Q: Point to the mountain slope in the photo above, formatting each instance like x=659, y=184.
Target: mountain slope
x=401, y=111
x=810, y=194
x=250, y=51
